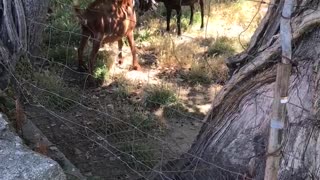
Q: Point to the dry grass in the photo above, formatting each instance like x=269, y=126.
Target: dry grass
x=211, y=70
x=201, y=57
x=159, y=95
x=122, y=87
x=54, y=92
x=233, y=19
x=171, y=54
x=222, y=46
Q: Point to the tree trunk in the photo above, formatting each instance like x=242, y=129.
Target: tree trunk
x=232, y=142
x=20, y=32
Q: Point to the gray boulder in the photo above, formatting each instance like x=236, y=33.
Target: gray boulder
x=18, y=162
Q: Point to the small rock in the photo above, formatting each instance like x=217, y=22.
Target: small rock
x=53, y=148
x=78, y=114
x=88, y=174
x=196, y=124
x=88, y=155
x=110, y=107
x=180, y=79
x=112, y=158
x=135, y=99
x=77, y=151
x=88, y=122
x=126, y=176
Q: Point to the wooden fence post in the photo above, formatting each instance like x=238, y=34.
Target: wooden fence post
x=277, y=123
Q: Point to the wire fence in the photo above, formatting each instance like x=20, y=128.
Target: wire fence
x=130, y=143
x=110, y=132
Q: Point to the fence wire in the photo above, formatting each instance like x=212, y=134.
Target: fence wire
x=104, y=131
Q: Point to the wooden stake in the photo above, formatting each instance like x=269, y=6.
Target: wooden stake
x=277, y=123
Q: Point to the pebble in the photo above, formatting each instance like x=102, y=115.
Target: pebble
x=110, y=106
x=88, y=174
x=53, y=148
x=77, y=151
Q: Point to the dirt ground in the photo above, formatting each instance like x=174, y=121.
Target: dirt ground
x=108, y=136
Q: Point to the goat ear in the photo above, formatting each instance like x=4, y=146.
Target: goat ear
x=76, y=2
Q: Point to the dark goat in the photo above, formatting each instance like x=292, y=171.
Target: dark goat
x=176, y=4
x=106, y=21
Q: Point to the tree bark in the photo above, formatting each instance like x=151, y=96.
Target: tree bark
x=232, y=142
x=20, y=32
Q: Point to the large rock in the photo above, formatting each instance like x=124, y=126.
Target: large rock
x=17, y=162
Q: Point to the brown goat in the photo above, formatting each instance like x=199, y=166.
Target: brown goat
x=106, y=21
x=176, y=4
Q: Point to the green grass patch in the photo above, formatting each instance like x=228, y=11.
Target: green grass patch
x=142, y=35
x=103, y=63
x=24, y=70
x=122, y=87
x=176, y=110
x=144, y=121
x=7, y=102
x=221, y=46
x=198, y=74
x=53, y=93
x=62, y=34
x=139, y=155
x=186, y=16
x=159, y=95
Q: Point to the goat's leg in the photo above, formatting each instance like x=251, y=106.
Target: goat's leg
x=135, y=63
x=120, y=45
x=95, y=48
x=179, y=20
x=169, y=10
x=83, y=43
x=191, y=15
x=202, y=13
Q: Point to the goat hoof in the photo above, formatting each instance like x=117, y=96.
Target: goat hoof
x=120, y=62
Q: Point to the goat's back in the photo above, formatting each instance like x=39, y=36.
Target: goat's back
x=113, y=18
